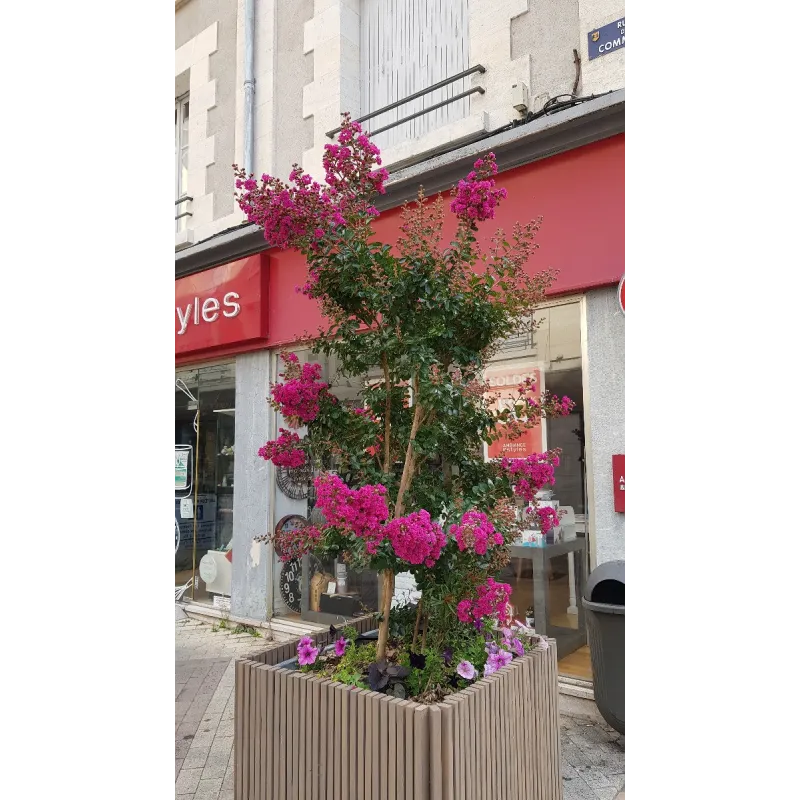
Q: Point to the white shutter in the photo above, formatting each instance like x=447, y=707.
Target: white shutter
x=406, y=46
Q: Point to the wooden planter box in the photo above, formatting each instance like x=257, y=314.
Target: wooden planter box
x=299, y=737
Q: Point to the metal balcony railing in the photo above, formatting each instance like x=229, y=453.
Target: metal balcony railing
x=184, y=213
x=446, y=82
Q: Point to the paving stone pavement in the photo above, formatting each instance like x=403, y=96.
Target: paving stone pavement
x=204, y=685
x=592, y=754
x=592, y=760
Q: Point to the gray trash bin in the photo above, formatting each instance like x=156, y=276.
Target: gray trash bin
x=604, y=602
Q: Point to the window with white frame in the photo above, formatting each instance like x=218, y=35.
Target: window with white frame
x=181, y=160
x=407, y=46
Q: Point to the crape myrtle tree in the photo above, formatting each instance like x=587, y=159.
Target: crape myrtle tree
x=410, y=489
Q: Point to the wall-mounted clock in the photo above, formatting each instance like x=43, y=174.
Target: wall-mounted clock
x=297, y=483
x=291, y=522
x=290, y=585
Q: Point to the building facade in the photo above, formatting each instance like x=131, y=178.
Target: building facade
x=262, y=83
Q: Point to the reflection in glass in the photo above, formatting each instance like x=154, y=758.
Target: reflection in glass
x=205, y=538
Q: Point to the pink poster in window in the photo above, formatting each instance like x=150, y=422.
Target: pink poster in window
x=504, y=381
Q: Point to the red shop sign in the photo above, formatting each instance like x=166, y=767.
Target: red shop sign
x=223, y=306
x=618, y=470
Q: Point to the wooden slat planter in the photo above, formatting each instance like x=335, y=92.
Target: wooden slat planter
x=300, y=737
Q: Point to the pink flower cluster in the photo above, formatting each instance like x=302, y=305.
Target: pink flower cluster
x=291, y=215
x=291, y=544
x=416, y=539
x=566, y=405
x=299, y=397
x=548, y=518
x=476, y=198
x=361, y=512
x=492, y=600
x=475, y=532
x=530, y=474
x=284, y=451
x=348, y=167
x=306, y=651
x=300, y=213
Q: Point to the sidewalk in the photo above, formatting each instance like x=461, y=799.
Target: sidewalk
x=204, y=684
x=592, y=760
x=592, y=754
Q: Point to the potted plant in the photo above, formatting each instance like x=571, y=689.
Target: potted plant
x=412, y=493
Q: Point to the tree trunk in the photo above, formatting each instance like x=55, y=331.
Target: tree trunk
x=386, y=607
x=416, y=624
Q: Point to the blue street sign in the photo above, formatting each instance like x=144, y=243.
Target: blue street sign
x=607, y=39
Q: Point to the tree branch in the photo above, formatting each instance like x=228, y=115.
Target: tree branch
x=387, y=421
x=411, y=456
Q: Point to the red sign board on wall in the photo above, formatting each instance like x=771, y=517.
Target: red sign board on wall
x=618, y=469
x=222, y=307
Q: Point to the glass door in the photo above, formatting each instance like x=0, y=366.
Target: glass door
x=205, y=424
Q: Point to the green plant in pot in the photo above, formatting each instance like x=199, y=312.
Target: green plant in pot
x=412, y=491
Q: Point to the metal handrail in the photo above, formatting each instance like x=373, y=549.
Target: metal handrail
x=184, y=214
x=446, y=82
x=449, y=100
x=183, y=199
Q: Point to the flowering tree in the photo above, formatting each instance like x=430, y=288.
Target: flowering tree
x=410, y=489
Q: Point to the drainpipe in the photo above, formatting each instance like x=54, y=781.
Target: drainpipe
x=249, y=82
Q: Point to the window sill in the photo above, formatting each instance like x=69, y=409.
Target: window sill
x=183, y=240
x=454, y=134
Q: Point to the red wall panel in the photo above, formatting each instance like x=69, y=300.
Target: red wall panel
x=580, y=195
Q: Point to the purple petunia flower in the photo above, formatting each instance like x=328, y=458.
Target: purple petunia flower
x=497, y=661
x=340, y=646
x=517, y=647
x=466, y=670
x=447, y=656
x=306, y=652
x=307, y=655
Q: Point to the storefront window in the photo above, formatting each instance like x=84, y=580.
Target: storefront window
x=551, y=354
x=321, y=591
x=205, y=439
x=550, y=578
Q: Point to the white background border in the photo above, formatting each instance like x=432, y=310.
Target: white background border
x=87, y=329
